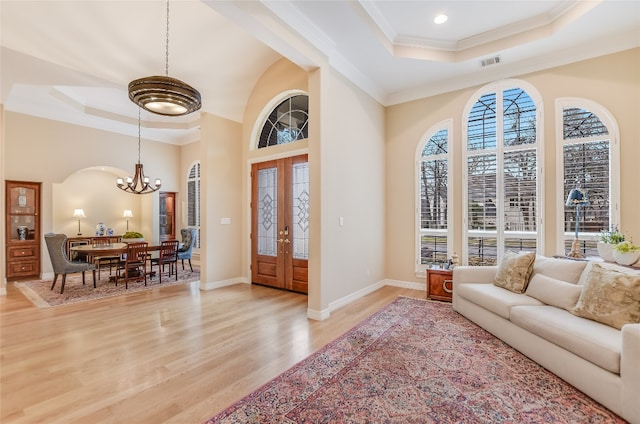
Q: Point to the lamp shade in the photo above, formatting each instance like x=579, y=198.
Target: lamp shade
x=577, y=197
x=78, y=213
x=127, y=213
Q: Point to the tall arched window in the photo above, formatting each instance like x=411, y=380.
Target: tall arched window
x=502, y=187
x=193, y=200
x=588, y=158
x=433, y=196
x=287, y=122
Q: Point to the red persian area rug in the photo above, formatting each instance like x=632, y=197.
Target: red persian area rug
x=40, y=294
x=416, y=361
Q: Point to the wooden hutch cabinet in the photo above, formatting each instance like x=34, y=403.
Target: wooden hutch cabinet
x=22, y=229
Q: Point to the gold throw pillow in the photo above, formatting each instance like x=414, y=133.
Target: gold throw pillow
x=610, y=297
x=515, y=271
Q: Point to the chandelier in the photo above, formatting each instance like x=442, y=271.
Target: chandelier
x=162, y=94
x=139, y=184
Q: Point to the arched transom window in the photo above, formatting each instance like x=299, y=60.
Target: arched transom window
x=287, y=122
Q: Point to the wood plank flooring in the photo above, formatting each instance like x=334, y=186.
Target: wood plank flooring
x=169, y=355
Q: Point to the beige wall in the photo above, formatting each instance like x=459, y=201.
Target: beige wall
x=220, y=197
x=352, y=154
x=86, y=190
x=54, y=152
x=612, y=81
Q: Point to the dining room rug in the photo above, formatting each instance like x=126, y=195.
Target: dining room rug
x=40, y=294
x=416, y=361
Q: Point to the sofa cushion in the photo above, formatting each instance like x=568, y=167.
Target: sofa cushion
x=554, y=292
x=514, y=271
x=560, y=269
x=493, y=298
x=610, y=297
x=595, y=342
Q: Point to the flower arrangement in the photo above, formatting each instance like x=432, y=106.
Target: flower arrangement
x=626, y=247
x=626, y=253
x=613, y=236
x=132, y=235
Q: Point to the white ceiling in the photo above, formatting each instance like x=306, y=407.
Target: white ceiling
x=72, y=60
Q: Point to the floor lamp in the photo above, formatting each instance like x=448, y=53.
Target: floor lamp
x=578, y=198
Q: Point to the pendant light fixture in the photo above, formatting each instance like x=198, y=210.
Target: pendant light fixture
x=162, y=94
x=139, y=184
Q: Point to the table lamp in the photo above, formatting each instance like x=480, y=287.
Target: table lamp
x=79, y=213
x=127, y=214
x=577, y=197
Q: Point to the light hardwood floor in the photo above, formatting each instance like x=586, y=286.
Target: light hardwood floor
x=170, y=355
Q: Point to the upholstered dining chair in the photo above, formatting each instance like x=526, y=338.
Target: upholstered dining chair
x=133, y=267
x=168, y=256
x=188, y=241
x=56, y=244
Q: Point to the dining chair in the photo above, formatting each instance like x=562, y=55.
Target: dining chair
x=168, y=256
x=133, y=267
x=188, y=241
x=77, y=256
x=56, y=244
x=111, y=260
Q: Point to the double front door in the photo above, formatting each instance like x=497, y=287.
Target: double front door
x=280, y=223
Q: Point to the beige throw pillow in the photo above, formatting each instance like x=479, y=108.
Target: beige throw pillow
x=514, y=271
x=610, y=297
x=554, y=292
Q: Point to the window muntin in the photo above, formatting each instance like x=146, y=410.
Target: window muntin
x=433, y=198
x=588, y=161
x=287, y=122
x=502, y=185
x=193, y=200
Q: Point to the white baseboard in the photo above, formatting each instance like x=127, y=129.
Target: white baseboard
x=406, y=284
x=325, y=313
x=223, y=283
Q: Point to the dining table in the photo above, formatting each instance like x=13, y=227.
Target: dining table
x=109, y=249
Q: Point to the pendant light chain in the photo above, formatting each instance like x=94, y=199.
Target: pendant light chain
x=139, y=135
x=167, y=45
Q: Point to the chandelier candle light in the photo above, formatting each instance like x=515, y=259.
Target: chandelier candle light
x=139, y=184
x=79, y=213
x=162, y=94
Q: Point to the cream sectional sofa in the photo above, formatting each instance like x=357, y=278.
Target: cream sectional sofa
x=598, y=359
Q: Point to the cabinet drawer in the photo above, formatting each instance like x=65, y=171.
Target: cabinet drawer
x=20, y=252
x=23, y=268
x=440, y=285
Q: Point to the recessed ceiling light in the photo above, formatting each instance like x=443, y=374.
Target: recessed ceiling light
x=440, y=19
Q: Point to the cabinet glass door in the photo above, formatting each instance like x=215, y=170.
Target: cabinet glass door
x=22, y=213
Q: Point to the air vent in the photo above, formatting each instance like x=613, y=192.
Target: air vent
x=490, y=61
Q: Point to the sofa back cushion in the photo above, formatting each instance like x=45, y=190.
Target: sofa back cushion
x=514, y=271
x=610, y=297
x=560, y=269
x=554, y=292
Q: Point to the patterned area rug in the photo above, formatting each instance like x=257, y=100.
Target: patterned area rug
x=40, y=294
x=416, y=361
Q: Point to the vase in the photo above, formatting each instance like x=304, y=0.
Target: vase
x=605, y=250
x=22, y=232
x=100, y=228
x=626, y=258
